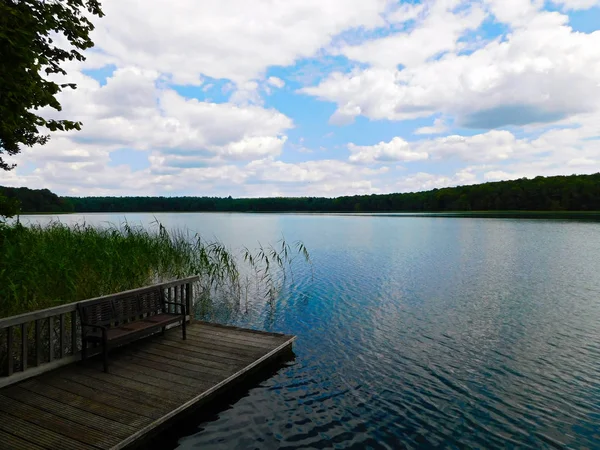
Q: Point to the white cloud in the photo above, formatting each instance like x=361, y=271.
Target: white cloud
x=276, y=82
x=497, y=152
x=496, y=175
x=438, y=127
x=132, y=111
x=515, y=12
x=246, y=93
x=576, y=4
x=406, y=12
x=423, y=181
x=395, y=150
x=438, y=32
x=322, y=177
x=541, y=73
x=491, y=146
x=233, y=39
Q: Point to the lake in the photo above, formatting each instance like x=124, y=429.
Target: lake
x=415, y=332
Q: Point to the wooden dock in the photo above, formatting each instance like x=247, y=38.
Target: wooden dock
x=151, y=381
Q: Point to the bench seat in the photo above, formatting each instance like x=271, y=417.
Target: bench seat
x=115, y=321
x=125, y=331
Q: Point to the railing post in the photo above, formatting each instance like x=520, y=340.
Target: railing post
x=188, y=300
x=175, y=300
x=9, y=352
x=62, y=335
x=73, y=332
x=51, y=338
x=38, y=342
x=24, y=347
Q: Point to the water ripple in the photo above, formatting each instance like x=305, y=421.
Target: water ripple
x=424, y=333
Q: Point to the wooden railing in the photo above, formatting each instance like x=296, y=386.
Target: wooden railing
x=39, y=341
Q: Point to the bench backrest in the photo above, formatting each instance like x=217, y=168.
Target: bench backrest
x=122, y=308
x=151, y=302
x=99, y=312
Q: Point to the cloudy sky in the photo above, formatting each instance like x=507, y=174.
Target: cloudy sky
x=325, y=97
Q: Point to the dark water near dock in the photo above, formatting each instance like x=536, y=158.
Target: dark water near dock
x=417, y=332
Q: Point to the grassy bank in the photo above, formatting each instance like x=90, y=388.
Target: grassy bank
x=45, y=266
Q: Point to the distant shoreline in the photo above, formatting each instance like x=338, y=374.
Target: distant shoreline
x=560, y=196
x=593, y=215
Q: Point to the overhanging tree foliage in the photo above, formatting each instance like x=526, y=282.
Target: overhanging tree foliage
x=9, y=207
x=29, y=31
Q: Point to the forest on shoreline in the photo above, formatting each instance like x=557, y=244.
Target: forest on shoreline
x=557, y=193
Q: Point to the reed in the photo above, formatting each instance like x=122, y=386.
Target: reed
x=44, y=266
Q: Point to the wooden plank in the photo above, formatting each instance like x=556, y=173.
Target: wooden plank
x=9, y=351
x=200, y=352
x=197, y=381
x=49, y=421
x=45, y=438
x=156, y=353
x=236, y=342
x=12, y=442
x=35, y=315
x=77, y=401
x=247, y=333
x=267, y=341
x=234, y=334
x=209, y=349
x=221, y=347
x=67, y=412
x=231, y=329
x=178, y=392
x=24, y=345
x=230, y=348
x=143, y=398
x=159, y=392
x=181, y=281
x=97, y=395
x=190, y=371
x=230, y=340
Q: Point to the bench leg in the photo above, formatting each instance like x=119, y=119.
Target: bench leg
x=162, y=331
x=105, y=357
x=84, y=345
x=183, y=328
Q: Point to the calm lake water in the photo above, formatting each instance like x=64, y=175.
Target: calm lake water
x=416, y=332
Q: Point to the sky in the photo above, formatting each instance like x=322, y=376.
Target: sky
x=324, y=98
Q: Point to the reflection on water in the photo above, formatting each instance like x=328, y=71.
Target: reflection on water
x=418, y=332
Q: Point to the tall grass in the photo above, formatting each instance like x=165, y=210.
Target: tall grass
x=44, y=266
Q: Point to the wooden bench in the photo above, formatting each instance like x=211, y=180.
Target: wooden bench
x=125, y=317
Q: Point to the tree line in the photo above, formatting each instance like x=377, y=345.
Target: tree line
x=558, y=193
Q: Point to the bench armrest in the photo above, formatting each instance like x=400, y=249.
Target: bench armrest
x=183, y=312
